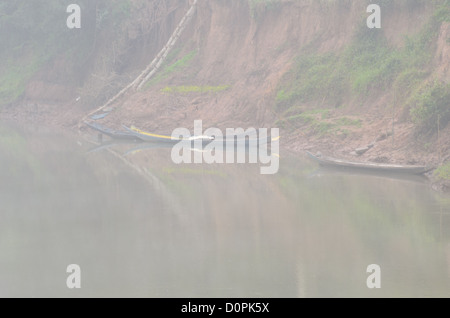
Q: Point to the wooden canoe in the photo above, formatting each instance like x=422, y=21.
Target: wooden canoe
x=369, y=166
x=158, y=138
x=123, y=135
x=151, y=137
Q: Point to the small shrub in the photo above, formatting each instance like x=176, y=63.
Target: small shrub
x=443, y=172
x=430, y=104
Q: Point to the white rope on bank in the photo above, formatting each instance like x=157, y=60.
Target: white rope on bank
x=153, y=67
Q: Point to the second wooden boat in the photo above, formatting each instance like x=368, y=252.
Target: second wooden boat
x=379, y=167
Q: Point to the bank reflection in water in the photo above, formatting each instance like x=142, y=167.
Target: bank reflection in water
x=139, y=225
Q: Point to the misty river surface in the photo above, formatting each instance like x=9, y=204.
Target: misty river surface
x=139, y=225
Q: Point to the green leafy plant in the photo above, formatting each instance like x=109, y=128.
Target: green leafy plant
x=168, y=69
x=430, y=104
x=443, y=172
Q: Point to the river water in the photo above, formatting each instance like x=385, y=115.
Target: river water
x=139, y=225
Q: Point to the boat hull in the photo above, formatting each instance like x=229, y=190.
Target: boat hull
x=113, y=133
x=375, y=167
x=236, y=140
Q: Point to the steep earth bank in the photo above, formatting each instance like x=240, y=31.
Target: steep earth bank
x=235, y=65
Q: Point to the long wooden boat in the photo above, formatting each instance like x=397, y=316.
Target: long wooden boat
x=113, y=133
x=377, y=167
x=151, y=137
x=237, y=140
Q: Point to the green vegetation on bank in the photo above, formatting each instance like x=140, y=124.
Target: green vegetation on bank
x=443, y=172
x=319, y=122
x=430, y=105
x=13, y=79
x=370, y=65
x=34, y=33
x=169, y=67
